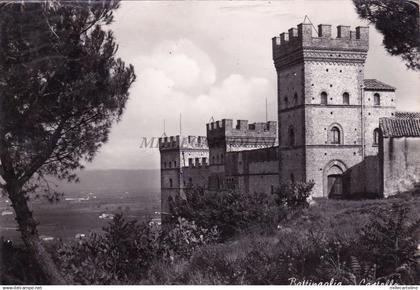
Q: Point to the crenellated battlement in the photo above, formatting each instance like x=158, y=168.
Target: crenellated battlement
x=225, y=133
x=182, y=142
x=241, y=128
x=301, y=38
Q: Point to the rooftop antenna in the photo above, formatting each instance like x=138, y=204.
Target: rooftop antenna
x=180, y=124
x=309, y=20
x=164, y=128
x=266, y=111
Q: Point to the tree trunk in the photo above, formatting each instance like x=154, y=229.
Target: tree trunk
x=27, y=227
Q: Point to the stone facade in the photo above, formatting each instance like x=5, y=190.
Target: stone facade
x=328, y=128
x=400, y=154
x=241, y=157
x=327, y=110
x=184, y=163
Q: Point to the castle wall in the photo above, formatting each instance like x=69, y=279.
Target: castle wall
x=252, y=170
x=195, y=176
x=180, y=154
x=291, y=123
x=373, y=113
x=224, y=138
x=324, y=158
x=401, y=164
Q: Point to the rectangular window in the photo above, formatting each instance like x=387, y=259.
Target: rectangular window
x=376, y=99
x=197, y=161
x=190, y=162
x=324, y=99
x=204, y=160
x=346, y=99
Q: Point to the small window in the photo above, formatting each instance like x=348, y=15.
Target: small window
x=324, y=98
x=197, y=161
x=286, y=101
x=335, y=135
x=376, y=137
x=174, y=163
x=376, y=99
x=171, y=184
x=291, y=137
x=170, y=164
x=212, y=159
x=190, y=162
x=204, y=160
x=221, y=157
x=292, y=178
x=346, y=98
x=295, y=98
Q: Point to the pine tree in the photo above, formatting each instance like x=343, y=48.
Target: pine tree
x=61, y=89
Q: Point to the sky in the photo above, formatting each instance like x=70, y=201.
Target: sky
x=205, y=59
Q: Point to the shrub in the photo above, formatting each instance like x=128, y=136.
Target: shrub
x=231, y=211
x=185, y=237
x=126, y=250
x=122, y=254
x=295, y=194
x=17, y=266
x=378, y=247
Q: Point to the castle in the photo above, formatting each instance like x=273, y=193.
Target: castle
x=334, y=127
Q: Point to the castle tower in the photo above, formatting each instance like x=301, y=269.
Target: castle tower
x=183, y=163
x=321, y=108
x=223, y=137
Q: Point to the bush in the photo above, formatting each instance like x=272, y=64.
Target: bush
x=358, y=243
x=126, y=250
x=294, y=194
x=232, y=212
x=185, y=237
x=17, y=266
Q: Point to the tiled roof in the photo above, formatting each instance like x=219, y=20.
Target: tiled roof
x=407, y=114
x=400, y=127
x=373, y=84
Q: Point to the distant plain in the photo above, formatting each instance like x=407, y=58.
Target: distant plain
x=135, y=193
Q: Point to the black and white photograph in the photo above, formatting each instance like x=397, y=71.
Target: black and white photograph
x=209, y=143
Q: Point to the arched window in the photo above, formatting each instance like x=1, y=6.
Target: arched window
x=291, y=137
x=324, y=98
x=376, y=99
x=335, y=135
x=376, y=137
x=174, y=163
x=171, y=182
x=346, y=98
x=170, y=164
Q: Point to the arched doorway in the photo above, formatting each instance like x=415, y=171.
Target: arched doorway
x=334, y=179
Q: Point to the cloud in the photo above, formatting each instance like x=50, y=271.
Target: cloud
x=177, y=77
x=182, y=62
x=203, y=60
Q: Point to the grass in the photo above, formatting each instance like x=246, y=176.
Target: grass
x=317, y=243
